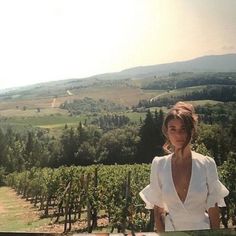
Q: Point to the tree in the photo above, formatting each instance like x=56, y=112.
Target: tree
x=151, y=138
x=118, y=146
x=215, y=139
x=86, y=154
x=159, y=119
x=79, y=146
x=228, y=175
x=3, y=145
x=2, y=176
x=68, y=147
x=232, y=134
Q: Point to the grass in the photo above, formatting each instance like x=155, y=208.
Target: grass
x=182, y=91
x=204, y=102
x=46, y=120
x=49, y=120
x=134, y=116
x=17, y=214
x=14, y=112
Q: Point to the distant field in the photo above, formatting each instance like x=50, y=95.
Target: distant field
x=44, y=112
x=127, y=91
x=33, y=112
x=28, y=103
x=55, y=123
x=204, y=102
x=182, y=91
x=135, y=116
x=18, y=214
x=46, y=120
x=54, y=119
x=22, y=113
x=127, y=96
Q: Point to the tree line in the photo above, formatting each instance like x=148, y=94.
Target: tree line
x=211, y=92
x=90, y=144
x=184, y=80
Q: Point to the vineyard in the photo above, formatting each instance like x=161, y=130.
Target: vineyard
x=87, y=194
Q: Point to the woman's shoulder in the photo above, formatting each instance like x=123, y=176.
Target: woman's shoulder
x=205, y=160
x=161, y=159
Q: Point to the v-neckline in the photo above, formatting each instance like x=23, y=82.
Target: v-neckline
x=190, y=181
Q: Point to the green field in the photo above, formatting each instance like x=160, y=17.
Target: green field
x=204, y=102
x=182, y=91
x=18, y=214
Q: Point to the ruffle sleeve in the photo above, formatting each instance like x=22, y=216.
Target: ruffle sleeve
x=152, y=194
x=216, y=190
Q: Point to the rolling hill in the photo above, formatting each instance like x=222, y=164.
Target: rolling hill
x=123, y=87
x=214, y=63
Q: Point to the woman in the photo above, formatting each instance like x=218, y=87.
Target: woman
x=184, y=188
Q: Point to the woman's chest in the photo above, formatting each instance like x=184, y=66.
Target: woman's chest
x=184, y=184
x=181, y=176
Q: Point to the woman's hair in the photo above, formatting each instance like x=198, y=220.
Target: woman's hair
x=186, y=113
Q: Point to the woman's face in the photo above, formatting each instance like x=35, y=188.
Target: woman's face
x=177, y=133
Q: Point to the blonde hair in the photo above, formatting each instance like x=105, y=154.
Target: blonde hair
x=186, y=113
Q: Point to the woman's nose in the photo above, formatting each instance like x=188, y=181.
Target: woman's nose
x=180, y=132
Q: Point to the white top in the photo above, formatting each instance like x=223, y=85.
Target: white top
x=204, y=191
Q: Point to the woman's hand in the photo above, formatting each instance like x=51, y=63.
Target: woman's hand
x=214, y=216
x=159, y=217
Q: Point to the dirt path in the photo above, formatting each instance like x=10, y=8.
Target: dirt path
x=16, y=214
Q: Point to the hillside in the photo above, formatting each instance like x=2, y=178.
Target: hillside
x=127, y=87
x=214, y=63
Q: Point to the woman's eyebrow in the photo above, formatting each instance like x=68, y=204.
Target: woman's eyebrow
x=174, y=126
x=171, y=126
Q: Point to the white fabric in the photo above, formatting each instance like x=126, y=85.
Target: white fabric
x=205, y=190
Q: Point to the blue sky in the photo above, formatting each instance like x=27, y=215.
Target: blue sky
x=47, y=40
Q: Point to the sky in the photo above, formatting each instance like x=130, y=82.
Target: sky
x=46, y=40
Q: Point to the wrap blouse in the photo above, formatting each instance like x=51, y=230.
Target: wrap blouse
x=204, y=191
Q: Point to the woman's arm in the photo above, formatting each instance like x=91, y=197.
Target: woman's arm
x=159, y=217
x=214, y=216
